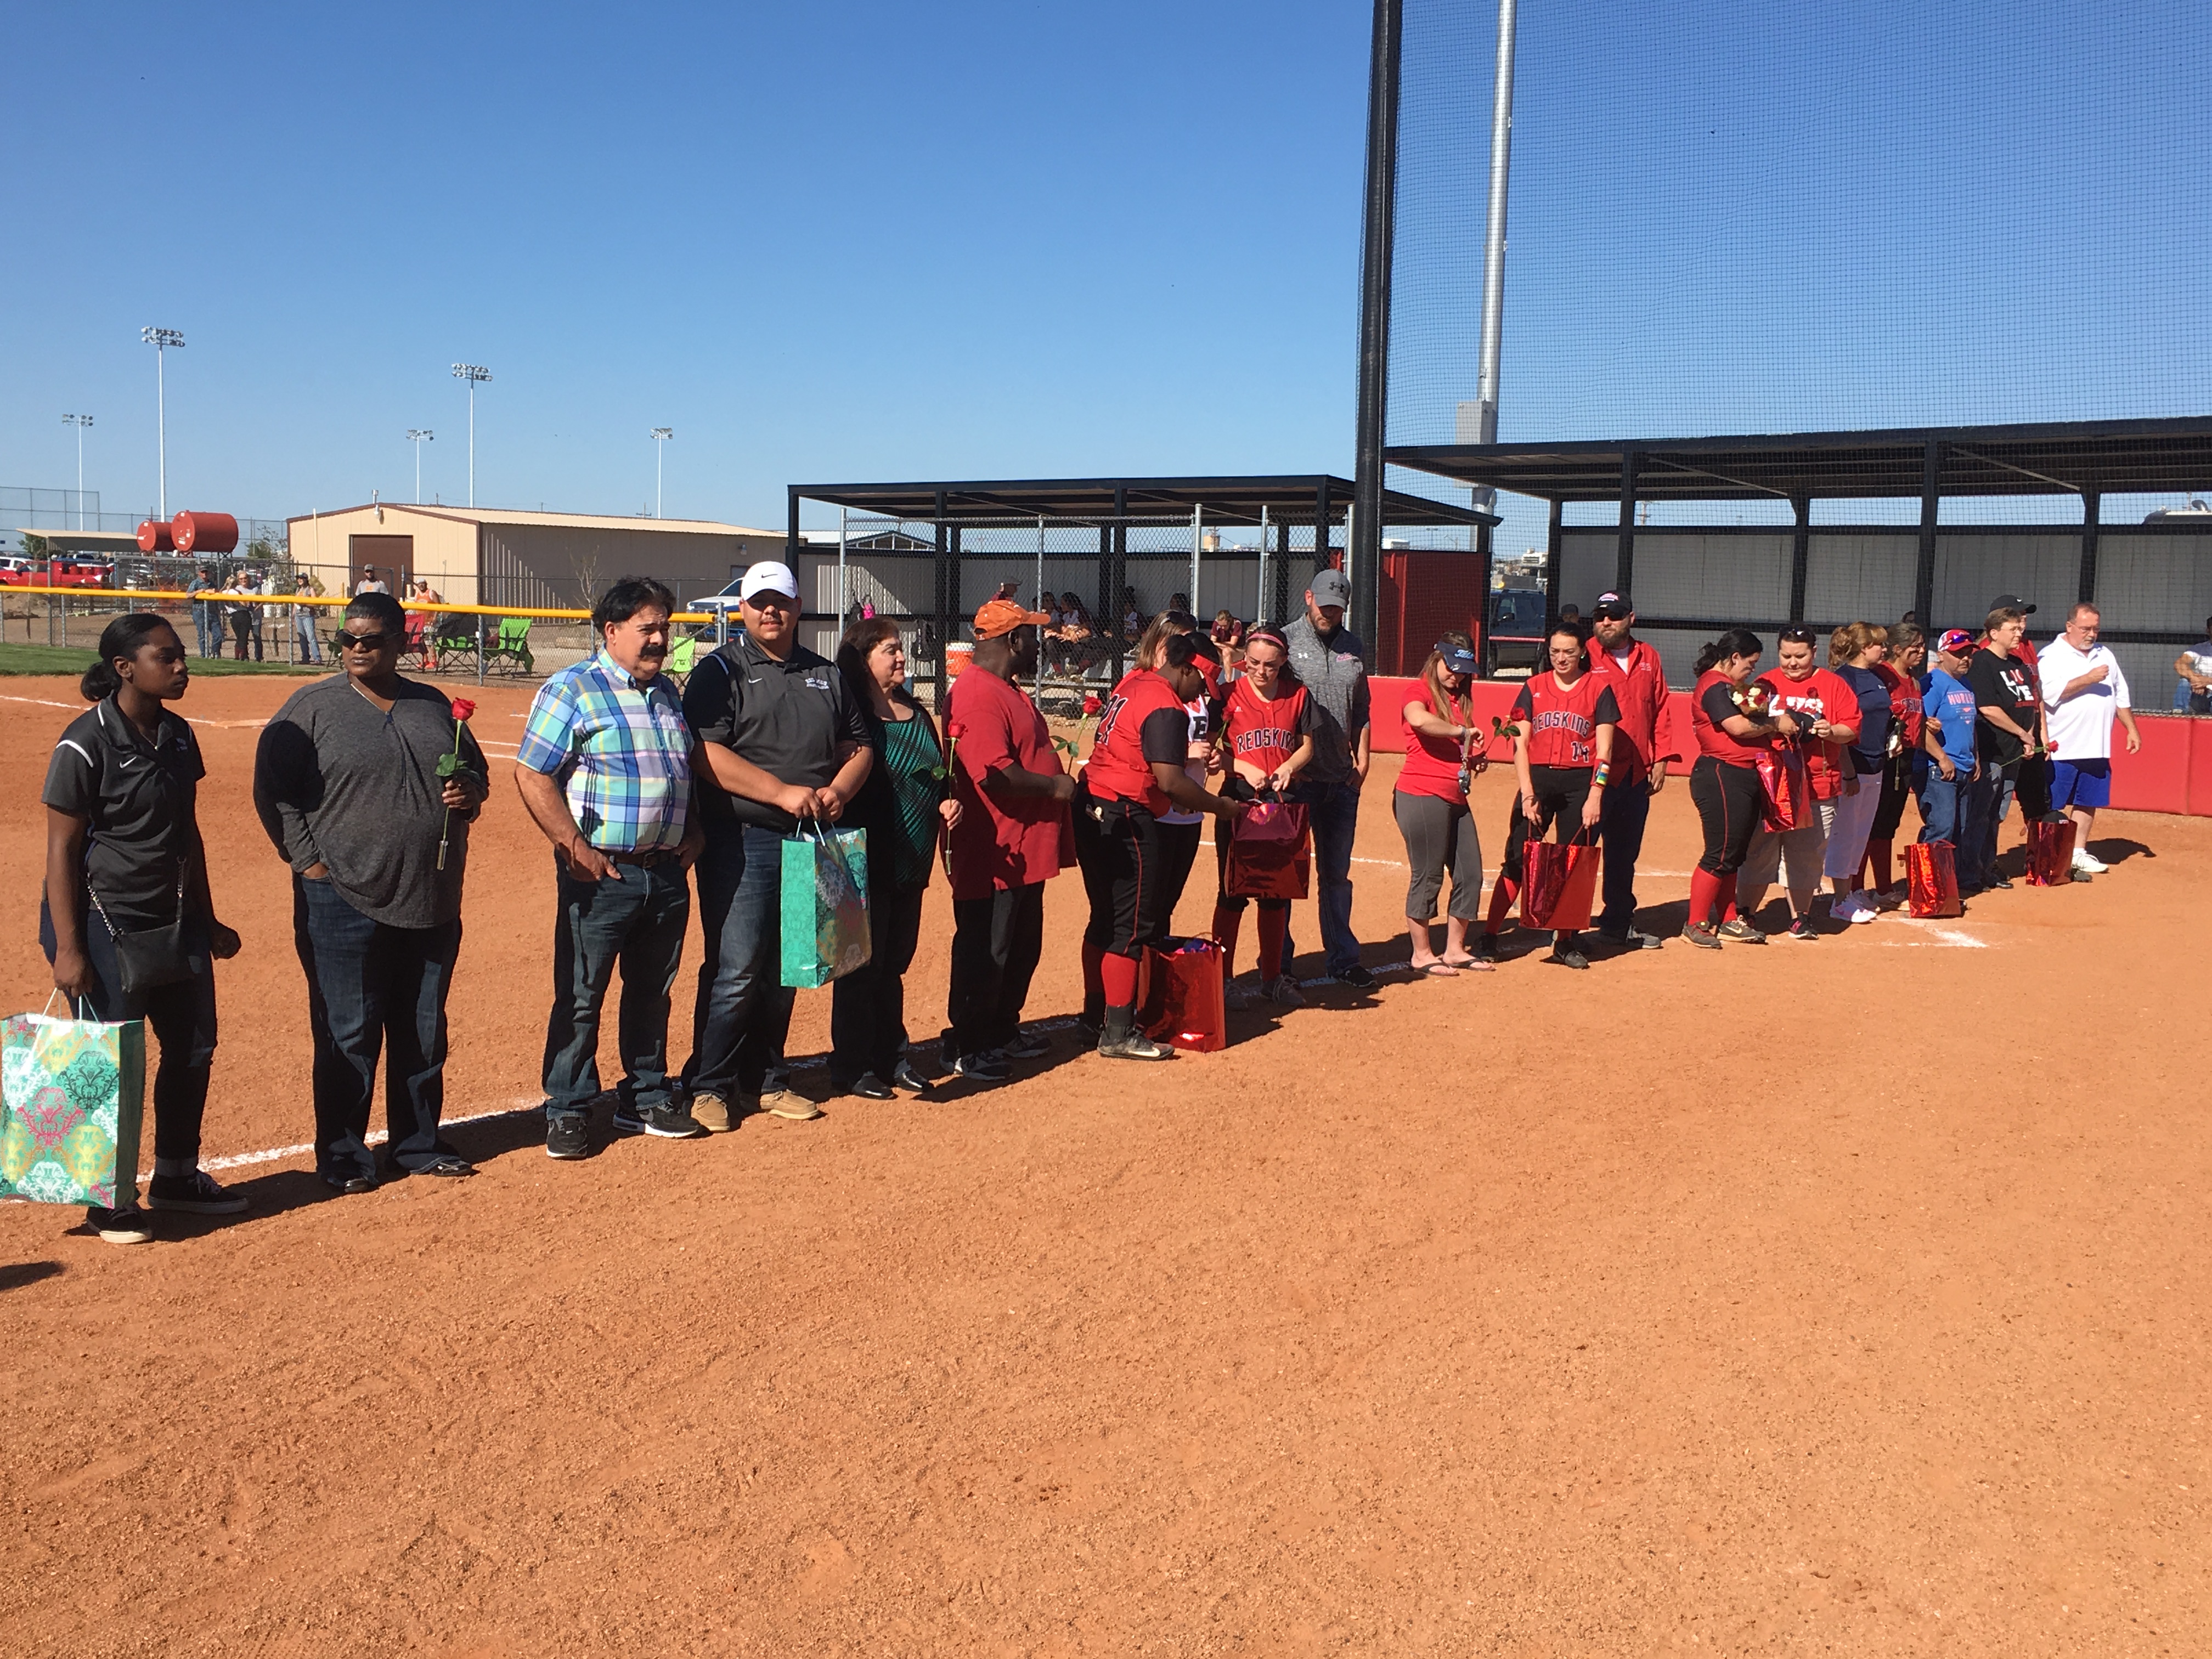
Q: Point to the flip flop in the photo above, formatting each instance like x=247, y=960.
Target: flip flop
x=1472, y=965
x=1442, y=970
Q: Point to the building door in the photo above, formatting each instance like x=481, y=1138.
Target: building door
x=392, y=557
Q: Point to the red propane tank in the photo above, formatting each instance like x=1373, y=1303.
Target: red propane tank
x=204, y=532
x=153, y=537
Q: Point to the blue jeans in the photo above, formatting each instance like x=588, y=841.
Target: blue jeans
x=1986, y=801
x=637, y=924
x=1957, y=811
x=374, y=989
x=1623, y=814
x=311, y=649
x=1333, y=813
x=742, y=1013
x=207, y=627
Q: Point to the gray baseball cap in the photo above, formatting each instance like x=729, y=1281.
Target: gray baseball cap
x=1330, y=587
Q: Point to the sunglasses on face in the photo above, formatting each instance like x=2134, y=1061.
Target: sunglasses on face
x=346, y=642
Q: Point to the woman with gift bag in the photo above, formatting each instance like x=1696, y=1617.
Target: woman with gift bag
x=902, y=805
x=126, y=918
x=1444, y=752
x=1827, y=711
x=1731, y=721
x=1899, y=669
x=1562, y=755
x=1267, y=726
x=1853, y=651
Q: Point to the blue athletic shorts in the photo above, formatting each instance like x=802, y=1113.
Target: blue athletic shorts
x=2080, y=783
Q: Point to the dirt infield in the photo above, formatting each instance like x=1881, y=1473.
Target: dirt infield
x=1846, y=1298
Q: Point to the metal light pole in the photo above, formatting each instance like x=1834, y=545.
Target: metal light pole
x=1363, y=529
x=472, y=372
x=1493, y=244
x=80, y=422
x=162, y=339
x=418, y=437
x=662, y=435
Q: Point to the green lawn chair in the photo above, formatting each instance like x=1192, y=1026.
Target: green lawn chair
x=452, y=638
x=512, y=644
x=682, y=653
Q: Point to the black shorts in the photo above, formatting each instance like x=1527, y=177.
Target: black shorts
x=1126, y=873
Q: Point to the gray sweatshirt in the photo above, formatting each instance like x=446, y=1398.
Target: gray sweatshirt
x=340, y=782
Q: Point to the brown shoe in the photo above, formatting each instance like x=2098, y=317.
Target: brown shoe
x=790, y=1104
x=712, y=1114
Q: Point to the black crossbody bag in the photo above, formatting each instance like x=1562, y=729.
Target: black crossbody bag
x=149, y=957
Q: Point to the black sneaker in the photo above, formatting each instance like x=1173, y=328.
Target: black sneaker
x=1998, y=881
x=451, y=1167
x=196, y=1193
x=1120, y=1039
x=909, y=1079
x=568, y=1135
x=1356, y=977
x=986, y=1068
x=869, y=1086
x=1027, y=1045
x=1802, y=930
x=1701, y=934
x=123, y=1226
x=352, y=1186
x=663, y=1122
x=1567, y=957
x=1486, y=947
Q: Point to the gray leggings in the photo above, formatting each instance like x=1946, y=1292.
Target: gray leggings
x=1439, y=837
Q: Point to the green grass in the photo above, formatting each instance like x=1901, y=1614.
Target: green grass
x=68, y=660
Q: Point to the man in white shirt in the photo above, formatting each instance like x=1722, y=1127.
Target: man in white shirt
x=2083, y=689
x=2193, y=665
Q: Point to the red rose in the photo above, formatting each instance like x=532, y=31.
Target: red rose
x=463, y=708
x=1092, y=705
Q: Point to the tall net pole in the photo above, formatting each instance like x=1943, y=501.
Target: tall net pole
x=1364, y=533
x=1493, y=242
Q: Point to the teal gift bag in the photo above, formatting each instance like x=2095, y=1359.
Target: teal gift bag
x=825, y=903
x=72, y=1099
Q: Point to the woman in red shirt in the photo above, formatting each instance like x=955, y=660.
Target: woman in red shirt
x=1442, y=751
x=1729, y=718
x=1900, y=673
x=1829, y=711
x=1562, y=751
x=1267, y=728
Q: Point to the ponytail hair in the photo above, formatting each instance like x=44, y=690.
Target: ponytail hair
x=124, y=637
x=1736, y=642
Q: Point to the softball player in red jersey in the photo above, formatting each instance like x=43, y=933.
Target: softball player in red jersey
x=1267, y=728
x=1727, y=718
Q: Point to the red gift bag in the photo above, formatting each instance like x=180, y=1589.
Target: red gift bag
x=1931, y=873
x=1558, y=881
x=1268, y=853
x=2050, y=852
x=1789, y=790
x=1182, y=1003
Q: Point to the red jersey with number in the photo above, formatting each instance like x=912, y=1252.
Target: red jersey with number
x=1118, y=768
x=1562, y=721
x=1264, y=734
x=1822, y=695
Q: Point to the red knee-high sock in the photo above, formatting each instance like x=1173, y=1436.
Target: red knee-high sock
x=1727, y=897
x=1119, y=974
x=1501, y=900
x=1274, y=925
x=1094, y=987
x=1226, y=921
x=1705, y=893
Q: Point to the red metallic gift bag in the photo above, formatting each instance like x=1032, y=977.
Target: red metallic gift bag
x=1789, y=790
x=2050, y=852
x=1559, y=883
x=1183, y=1005
x=1268, y=855
x=1931, y=873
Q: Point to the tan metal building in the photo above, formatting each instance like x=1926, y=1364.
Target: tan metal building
x=505, y=556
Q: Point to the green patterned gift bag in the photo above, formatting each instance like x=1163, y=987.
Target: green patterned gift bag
x=72, y=1094
x=825, y=903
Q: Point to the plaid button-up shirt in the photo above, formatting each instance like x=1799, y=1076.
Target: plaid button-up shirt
x=621, y=749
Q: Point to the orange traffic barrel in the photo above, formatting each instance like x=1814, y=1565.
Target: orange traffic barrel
x=204, y=532
x=153, y=537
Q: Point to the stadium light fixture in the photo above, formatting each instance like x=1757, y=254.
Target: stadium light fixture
x=80, y=422
x=419, y=435
x=662, y=435
x=473, y=373
x=162, y=339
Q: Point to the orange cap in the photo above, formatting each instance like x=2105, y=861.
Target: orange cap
x=1003, y=616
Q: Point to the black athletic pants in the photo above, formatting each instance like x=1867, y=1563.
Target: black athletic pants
x=1730, y=802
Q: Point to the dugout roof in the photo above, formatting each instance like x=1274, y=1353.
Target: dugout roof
x=2086, y=458
x=1288, y=499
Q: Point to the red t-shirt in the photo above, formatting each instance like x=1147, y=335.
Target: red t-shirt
x=1822, y=695
x=1563, y=720
x=1001, y=841
x=1711, y=702
x=1263, y=734
x=1144, y=722
x=1432, y=763
x=1639, y=688
x=1903, y=701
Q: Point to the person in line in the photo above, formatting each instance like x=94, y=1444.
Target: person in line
x=1563, y=758
x=2193, y=672
x=1013, y=835
x=347, y=782
x=1331, y=663
x=1443, y=752
x=2008, y=735
x=1905, y=650
x=1267, y=738
x=904, y=804
x=2083, y=692
x=207, y=613
x=1134, y=774
x=779, y=738
x=1181, y=829
x=1853, y=651
x=1641, y=758
x=604, y=769
x=1826, y=712
x=1947, y=793
x=1729, y=721
x=124, y=855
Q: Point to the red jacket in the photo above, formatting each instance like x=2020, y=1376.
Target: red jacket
x=1641, y=691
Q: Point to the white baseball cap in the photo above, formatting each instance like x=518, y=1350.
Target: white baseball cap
x=769, y=576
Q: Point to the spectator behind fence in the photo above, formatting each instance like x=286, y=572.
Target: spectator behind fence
x=304, y=616
x=1331, y=663
x=778, y=738
x=605, y=771
x=207, y=611
x=370, y=582
x=125, y=859
x=2194, y=667
x=347, y=783
x=903, y=805
x=2083, y=692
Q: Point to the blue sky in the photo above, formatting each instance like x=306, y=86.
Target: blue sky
x=868, y=240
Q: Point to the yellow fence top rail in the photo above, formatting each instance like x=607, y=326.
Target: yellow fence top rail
x=213, y=595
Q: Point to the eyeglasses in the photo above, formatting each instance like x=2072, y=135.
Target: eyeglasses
x=346, y=642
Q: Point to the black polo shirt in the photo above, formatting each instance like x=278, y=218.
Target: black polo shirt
x=139, y=798
x=787, y=718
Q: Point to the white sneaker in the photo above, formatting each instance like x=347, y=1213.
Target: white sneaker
x=2087, y=865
